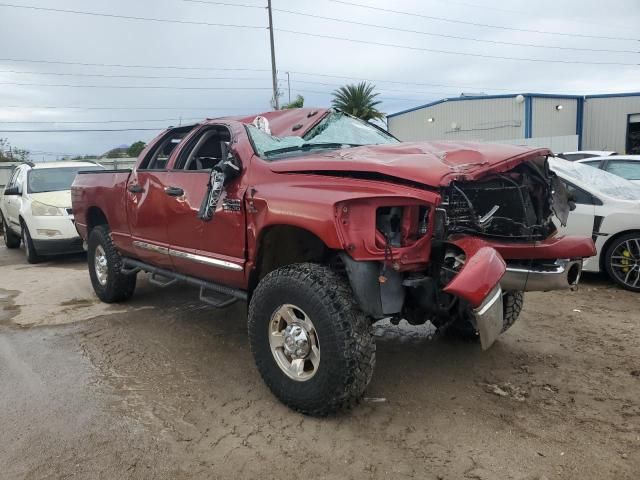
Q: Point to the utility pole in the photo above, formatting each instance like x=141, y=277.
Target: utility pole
x=274, y=75
x=289, y=86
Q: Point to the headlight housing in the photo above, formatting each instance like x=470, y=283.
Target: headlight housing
x=42, y=210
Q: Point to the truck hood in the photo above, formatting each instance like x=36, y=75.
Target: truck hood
x=434, y=164
x=60, y=199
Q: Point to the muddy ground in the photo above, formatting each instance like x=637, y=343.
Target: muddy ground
x=165, y=387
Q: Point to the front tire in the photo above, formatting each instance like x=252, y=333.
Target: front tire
x=11, y=240
x=312, y=345
x=622, y=261
x=105, y=268
x=29, y=249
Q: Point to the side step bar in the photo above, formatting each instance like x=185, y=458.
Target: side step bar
x=134, y=266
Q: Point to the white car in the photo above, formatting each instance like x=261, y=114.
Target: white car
x=625, y=166
x=608, y=210
x=581, y=154
x=35, y=209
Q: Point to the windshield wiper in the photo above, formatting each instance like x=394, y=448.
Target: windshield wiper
x=305, y=147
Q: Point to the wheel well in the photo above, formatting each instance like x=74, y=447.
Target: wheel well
x=607, y=244
x=95, y=217
x=282, y=245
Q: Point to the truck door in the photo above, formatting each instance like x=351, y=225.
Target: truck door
x=209, y=249
x=147, y=201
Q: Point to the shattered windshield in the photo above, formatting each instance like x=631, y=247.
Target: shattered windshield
x=596, y=180
x=336, y=130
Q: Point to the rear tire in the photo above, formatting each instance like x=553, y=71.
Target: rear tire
x=105, y=268
x=11, y=240
x=29, y=249
x=337, y=367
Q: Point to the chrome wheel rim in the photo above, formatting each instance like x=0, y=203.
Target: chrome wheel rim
x=625, y=262
x=294, y=343
x=100, y=265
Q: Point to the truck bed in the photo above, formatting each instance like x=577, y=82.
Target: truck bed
x=104, y=189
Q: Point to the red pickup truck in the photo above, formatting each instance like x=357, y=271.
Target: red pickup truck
x=325, y=224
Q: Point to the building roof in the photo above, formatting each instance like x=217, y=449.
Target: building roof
x=511, y=95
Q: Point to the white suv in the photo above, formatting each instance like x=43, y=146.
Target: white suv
x=35, y=208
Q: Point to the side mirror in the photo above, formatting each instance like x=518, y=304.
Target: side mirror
x=13, y=191
x=230, y=168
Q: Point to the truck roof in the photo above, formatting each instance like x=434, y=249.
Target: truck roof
x=290, y=122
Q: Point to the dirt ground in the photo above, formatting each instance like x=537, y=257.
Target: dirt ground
x=165, y=387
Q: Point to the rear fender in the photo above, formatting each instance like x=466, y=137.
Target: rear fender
x=481, y=273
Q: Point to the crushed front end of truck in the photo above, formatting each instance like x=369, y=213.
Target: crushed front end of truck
x=463, y=261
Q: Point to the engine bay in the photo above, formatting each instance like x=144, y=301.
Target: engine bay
x=515, y=205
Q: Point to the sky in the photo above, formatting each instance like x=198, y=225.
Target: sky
x=62, y=70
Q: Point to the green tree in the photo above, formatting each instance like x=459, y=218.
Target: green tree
x=12, y=154
x=297, y=103
x=135, y=149
x=358, y=100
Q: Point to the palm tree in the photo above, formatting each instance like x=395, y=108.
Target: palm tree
x=358, y=100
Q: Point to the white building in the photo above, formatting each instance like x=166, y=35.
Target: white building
x=560, y=122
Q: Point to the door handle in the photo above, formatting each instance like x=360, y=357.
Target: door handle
x=174, y=191
x=135, y=188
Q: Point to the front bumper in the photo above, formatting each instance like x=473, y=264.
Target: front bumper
x=489, y=318
x=542, y=277
x=58, y=246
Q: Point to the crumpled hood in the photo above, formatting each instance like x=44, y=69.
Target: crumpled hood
x=61, y=199
x=431, y=163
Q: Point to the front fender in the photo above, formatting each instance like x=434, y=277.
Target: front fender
x=481, y=273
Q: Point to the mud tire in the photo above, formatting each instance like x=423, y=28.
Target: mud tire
x=119, y=287
x=344, y=333
x=512, y=302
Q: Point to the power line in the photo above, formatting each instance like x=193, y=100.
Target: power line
x=62, y=107
x=147, y=77
x=315, y=74
x=520, y=12
x=501, y=27
x=121, y=65
x=185, y=78
x=96, y=121
x=225, y=4
x=380, y=88
x=142, y=87
x=470, y=87
x=327, y=75
x=452, y=52
x=129, y=17
x=73, y=130
x=456, y=37
x=381, y=97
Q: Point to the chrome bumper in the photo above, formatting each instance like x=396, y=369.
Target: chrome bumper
x=558, y=275
x=488, y=317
